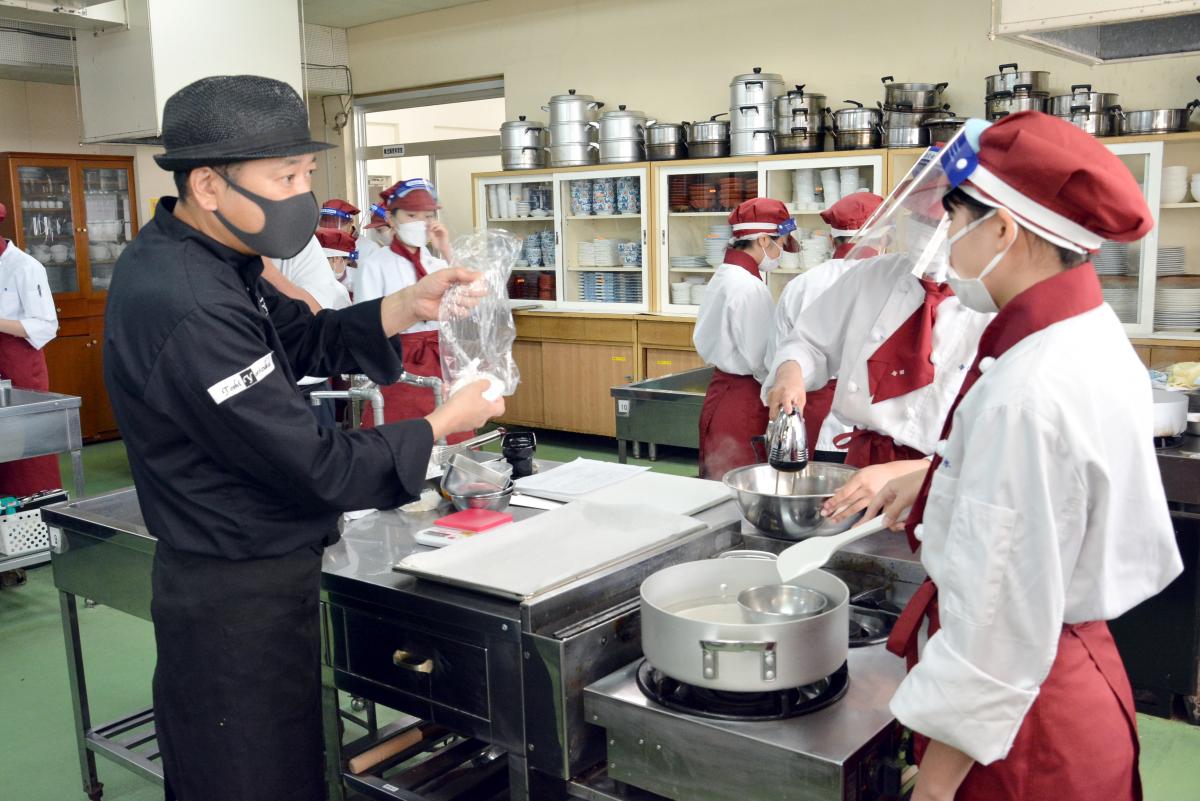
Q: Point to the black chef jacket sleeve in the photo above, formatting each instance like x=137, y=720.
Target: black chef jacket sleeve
x=218, y=377
x=331, y=342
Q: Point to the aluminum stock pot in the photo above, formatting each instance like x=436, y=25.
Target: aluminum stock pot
x=1097, y=123
x=942, y=129
x=623, y=124
x=1012, y=76
x=908, y=136
x=855, y=117
x=799, y=110
x=917, y=96
x=694, y=630
x=751, y=143
x=905, y=117
x=568, y=133
x=621, y=151
x=573, y=108
x=752, y=118
x=665, y=133
x=670, y=152
x=520, y=133
x=573, y=155
x=707, y=150
x=1154, y=121
x=1082, y=95
x=1010, y=102
x=710, y=130
x=523, y=158
x=800, y=140
x=755, y=88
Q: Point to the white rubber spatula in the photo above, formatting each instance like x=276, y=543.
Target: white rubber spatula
x=812, y=553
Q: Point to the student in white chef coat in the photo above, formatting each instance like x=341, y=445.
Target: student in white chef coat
x=731, y=334
x=845, y=218
x=1043, y=514
x=896, y=338
x=375, y=234
x=341, y=215
x=412, y=212
x=27, y=322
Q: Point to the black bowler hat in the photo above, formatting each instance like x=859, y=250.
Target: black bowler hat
x=229, y=118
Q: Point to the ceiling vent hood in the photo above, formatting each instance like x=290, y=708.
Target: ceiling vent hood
x=81, y=15
x=127, y=73
x=1101, y=31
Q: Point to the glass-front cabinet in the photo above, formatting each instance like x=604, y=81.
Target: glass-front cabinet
x=583, y=234
x=74, y=215
x=1129, y=271
x=808, y=186
x=693, y=205
x=1176, y=293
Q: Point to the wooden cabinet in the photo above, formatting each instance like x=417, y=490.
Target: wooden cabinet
x=526, y=406
x=662, y=361
x=577, y=380
x=75, y=215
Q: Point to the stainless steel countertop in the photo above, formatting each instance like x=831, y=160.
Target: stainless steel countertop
x=16, y=402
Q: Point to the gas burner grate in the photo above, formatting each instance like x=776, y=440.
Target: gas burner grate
x=870, y=626
x=722, y=705
x=1162, y=443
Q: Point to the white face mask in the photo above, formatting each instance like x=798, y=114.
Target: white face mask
x=971, y=292
x=414, y=234
x=768, y=264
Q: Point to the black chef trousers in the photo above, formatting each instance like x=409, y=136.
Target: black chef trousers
x=237, y=688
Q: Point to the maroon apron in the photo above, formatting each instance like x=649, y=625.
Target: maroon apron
x=25, y=365
x=732, y=415
x=1078, y=742
x=816, y=408
x=421, y=355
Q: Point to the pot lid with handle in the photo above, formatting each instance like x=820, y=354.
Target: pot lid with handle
x=621, y=112
x=890, y=83
x=522, y=122
x=758, y=76
x=572, y=97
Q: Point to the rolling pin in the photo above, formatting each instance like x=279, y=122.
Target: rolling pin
x=388, y=749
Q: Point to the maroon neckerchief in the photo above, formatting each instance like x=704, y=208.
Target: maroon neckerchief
x=902, y=363
x=414, y=258
x=1068, y=294
x=744, y=260
x=3, y=245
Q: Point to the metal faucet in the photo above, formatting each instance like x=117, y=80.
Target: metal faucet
x=364, y=389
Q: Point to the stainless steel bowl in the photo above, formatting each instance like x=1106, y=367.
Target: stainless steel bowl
x=794, y=512
x=776, y=603
x=496, y=501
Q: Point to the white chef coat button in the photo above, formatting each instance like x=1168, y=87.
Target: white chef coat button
x=852, y=387
x=877, y=336
x=934, y=359
x=910, y=412
x=919, y=531
x=986, y=363
x=940, y=448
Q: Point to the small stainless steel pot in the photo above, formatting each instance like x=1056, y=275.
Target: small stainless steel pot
x=707, y=150
x=694, y=631
x=751, y=143
x=751, y=118
x=1010, y=102
x=800, y=141
x=666, y=133
x=798, y=109
x=523, y=133
x=523, y=158
x=855, y=118
x=623, y=124
x=1097, y=123
x=572, y=133
x=621, y=151
x=1154, y=121
x=905, y=117
x=857, y=140
x=942, y=129
x=574, y=155
x=798, y=119
x=911, y=136
x=1082, y=95
x=754, y=88
x=710, y=130
x=1011, y=76
x=669, y=152
x=572, y=108
x=917, y=96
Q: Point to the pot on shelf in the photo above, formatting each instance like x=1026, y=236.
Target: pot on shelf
x=855, y=117
x=800, y=140
x=1012, y=76
x=710, y=130
x=755, y=88
x=669, y=152
x=942, y=129
x=623, y=124
x=759, y=117
x=572, y=107
x=751, y=143
x=521, y=133
x=1082, y=95
x=917, y=96
x=568, y=133
x=798, y=109
x=621, y=151
x=908, y=136
x=666, y=133
x=1155, y=120
x=523, y=158
x=1010, y=102
x=708, y=150
x=1097, y=123
x=576, y=154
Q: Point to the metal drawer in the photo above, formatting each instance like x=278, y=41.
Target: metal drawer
x=441, y=670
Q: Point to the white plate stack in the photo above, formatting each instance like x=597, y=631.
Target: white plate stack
x=1176, y=308
x=684, y=262
x=587, y=254
x=605, y=251
x=848, y=180
x=1124, y=301
x=1174, y=184
x=716, y=241
x=804, y=190
x=681, y=293
x=697, y=292
x=831, y=186
x=1113, y=259
x=814, y=251
x=1172, y=261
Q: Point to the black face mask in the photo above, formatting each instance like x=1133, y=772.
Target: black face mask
x=289, y=224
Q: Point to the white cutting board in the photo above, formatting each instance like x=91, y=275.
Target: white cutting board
x=676, y=494
x=524, y=559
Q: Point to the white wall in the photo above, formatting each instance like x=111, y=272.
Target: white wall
x=42, y=118
x=674, y=58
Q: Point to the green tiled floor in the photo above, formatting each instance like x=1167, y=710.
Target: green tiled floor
x=38, y=762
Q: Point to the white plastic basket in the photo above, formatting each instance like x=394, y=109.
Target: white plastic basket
x=23, y=533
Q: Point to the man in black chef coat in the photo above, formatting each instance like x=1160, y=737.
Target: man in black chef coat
x=241, y=487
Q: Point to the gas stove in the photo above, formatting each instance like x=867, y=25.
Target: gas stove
x=843, y=747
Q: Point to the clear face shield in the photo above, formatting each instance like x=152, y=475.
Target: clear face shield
x=912, y=221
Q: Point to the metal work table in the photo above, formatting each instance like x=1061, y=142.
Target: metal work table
x=660, y=411
x=39, y=424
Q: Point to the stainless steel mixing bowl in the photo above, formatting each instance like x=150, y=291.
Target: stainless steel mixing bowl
x=775, y=603
x=795, y=511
